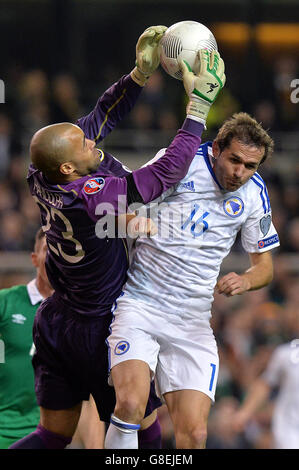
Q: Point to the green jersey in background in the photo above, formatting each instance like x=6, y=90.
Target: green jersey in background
x=19, y=412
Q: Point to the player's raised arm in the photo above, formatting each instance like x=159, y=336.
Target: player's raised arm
x=149, y=182
x=173, y=166
x=120, y=98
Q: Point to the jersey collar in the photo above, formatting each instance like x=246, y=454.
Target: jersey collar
x=33, y=292
x=208, y=155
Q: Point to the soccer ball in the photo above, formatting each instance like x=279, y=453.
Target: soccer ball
x=182, y=41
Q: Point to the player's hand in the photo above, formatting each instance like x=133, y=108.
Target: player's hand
x=203, y=88
x=148, y=53
x=232, y=284
x=141, y=226
x=239, y=420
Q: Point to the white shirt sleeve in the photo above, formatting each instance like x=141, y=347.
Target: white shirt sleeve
x=258, y=233
x=275, y=368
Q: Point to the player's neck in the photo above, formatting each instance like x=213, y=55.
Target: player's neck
x=44, y=288
x=62, y=180
x=69, y=178
x=59, y=178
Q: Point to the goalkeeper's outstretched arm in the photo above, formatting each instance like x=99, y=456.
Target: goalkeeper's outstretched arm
x=118, y=100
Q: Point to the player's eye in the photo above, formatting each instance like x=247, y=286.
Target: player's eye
x=251, y=167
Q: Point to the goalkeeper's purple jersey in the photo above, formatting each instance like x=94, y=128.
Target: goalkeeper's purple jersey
x=88, y=272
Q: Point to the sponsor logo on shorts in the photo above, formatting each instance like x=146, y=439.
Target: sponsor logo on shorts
x=94, y=185
x=121, y=348
x=233, y=206
x=268, y=241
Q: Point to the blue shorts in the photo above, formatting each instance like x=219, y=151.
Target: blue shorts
x=71, y=360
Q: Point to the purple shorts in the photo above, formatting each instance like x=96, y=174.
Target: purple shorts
x=71, y=360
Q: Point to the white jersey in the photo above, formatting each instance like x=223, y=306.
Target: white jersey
x=283, y=371
x=198, y=222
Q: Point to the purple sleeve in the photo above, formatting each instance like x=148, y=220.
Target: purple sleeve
x=110, y=109
x=153, y=180
x=110, y=165
x=109, y=194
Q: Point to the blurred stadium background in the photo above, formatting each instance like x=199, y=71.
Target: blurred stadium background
x=58, y=56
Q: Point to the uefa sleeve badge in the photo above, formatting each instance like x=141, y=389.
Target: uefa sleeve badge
x=94, y=185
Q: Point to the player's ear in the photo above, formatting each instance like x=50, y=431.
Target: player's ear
x=34, y=259
x=215, y=149
x=66, y=168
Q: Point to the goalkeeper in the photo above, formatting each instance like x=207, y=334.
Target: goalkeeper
x=70, y=179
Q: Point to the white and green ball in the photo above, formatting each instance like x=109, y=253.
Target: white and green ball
x=183, y=40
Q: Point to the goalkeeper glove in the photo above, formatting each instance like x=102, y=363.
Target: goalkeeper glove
x=203, y=88
x=147, y=54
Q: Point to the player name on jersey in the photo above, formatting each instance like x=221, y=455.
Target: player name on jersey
x=55, y=199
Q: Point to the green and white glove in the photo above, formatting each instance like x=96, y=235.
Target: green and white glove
x=147, y=54
x=203, y=88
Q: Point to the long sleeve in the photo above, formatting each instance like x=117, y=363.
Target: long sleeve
x=111, y=108
x=152, y=180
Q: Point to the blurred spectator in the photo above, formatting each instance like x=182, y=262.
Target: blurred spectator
x=9, y=144
x=225, y=106
x=33, y=88
x=167, y=121
x=291, y=200
x=65, y=106
x=142, y=118
x=8, y=199
x=280, y=221
x=285, y=70
x=265, y=113
x=33, y=102
x=30, y=213
x=154, y=93
x=12, y=231
x=221, y=434
x=290, y=315
x=278, y=289
x=267, y=325
x=293, y=236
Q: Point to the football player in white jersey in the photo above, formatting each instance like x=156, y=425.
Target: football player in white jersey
x=161, y=322
x=282, y=371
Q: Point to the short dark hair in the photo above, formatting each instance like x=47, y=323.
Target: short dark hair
x=247, y=130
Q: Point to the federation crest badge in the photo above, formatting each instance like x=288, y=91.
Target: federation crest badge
x=233, y=206
x=265, y=224
x=94, y=185
x=121, y=348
